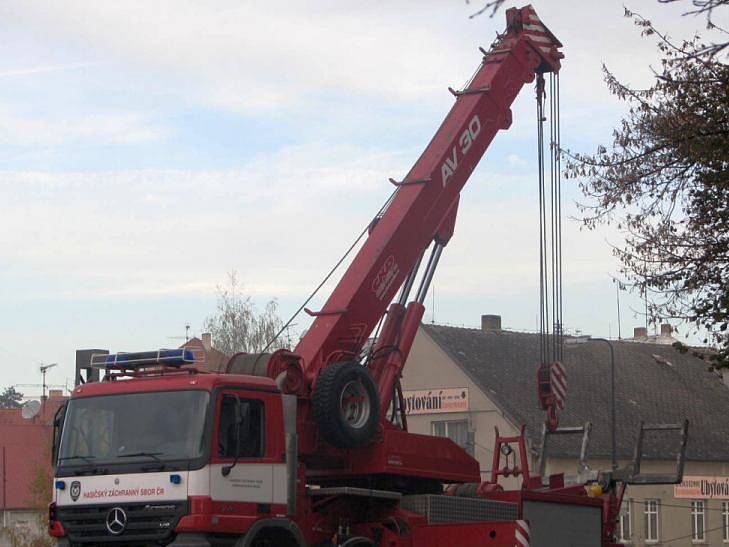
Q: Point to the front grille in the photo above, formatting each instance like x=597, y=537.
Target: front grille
x=441, y=509
x=146, y=522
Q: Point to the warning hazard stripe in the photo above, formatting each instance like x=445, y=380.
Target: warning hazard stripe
x=558, y=377
x=536, y=31
x=559, y=384
x=521, y=533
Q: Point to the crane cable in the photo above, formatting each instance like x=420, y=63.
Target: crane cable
x=550, y=267
x=378, y=216
x=543, y=293
x=556, y=180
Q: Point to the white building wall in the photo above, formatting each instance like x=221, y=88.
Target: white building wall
x=429, y=367
x=23, y=527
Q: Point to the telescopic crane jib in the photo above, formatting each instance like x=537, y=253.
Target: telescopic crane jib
x=421, y=213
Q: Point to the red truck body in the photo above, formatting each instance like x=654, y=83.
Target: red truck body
x=295, y=448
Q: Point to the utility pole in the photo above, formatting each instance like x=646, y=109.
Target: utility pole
x=5, y=491
x=432, y=306
x=613, y=427
x=617, y=295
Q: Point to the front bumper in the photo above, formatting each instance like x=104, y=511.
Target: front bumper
x=143, y=523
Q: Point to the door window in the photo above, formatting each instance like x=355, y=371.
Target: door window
x=250, y=426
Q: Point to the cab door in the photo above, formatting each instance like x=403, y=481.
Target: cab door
x=248, y=424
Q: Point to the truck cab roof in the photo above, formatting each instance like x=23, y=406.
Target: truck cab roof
x=175, y=380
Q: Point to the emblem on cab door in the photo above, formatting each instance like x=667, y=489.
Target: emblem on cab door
x=116, y=521
x=75, y=490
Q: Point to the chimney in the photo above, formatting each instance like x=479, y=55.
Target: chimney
x=55, y=393
x=666, y=330
x=490, y=323
x=640, y=333
x=207, y=341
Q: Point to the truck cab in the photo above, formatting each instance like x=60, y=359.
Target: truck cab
x=149, y=457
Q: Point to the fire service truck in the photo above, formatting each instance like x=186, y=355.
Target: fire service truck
x=310, y=446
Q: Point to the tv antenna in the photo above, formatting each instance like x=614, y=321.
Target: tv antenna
x=186, y=337
x=43, y=370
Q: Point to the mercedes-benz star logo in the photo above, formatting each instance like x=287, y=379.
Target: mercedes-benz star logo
x=116, y=521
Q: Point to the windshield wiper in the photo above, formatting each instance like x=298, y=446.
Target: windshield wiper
x=150, y=454
x=77, y=457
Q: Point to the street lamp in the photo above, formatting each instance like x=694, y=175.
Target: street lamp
x=572, y=341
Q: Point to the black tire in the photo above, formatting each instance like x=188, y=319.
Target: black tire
x=358, y=542
x=275, y=532
x=274, y=538
x=346, y=427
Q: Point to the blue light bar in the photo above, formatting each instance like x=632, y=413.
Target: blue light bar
x=167, y=357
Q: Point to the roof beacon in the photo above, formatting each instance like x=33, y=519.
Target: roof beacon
x=134, y=360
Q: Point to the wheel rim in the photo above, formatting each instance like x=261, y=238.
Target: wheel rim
x=354, y=404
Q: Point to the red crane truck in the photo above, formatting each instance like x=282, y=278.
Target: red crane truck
x=310, y=446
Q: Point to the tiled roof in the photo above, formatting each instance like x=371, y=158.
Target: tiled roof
x=653, y=384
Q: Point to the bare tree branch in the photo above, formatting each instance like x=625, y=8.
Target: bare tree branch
x=237, y=325
x=493, y=5
x=665, y=182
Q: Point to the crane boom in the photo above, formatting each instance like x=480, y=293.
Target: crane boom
x=425, y=204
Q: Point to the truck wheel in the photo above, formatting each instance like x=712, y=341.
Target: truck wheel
x=358, y=542
x=345, y=404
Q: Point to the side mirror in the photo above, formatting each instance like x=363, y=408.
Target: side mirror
x=57, y=431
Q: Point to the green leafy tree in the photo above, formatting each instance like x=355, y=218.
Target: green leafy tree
x=10, y=398
x=664, y=180
x=238, y=326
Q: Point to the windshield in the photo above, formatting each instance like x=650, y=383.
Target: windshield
x=134, y=427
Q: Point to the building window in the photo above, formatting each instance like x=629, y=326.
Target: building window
x=725, y=520
x=625, y=526
x=650, y=511
x=457, y=431
x=698, y=520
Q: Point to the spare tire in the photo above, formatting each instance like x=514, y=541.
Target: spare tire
x=346, y=405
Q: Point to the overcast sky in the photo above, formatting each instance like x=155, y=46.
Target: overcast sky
x=147, y=148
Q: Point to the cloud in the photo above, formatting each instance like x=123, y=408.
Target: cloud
x=116, y=233
x=516, y=160
x=255, y=56
x=259, y=56
x=32, y=71
x=281, y=220
x=20, y=129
